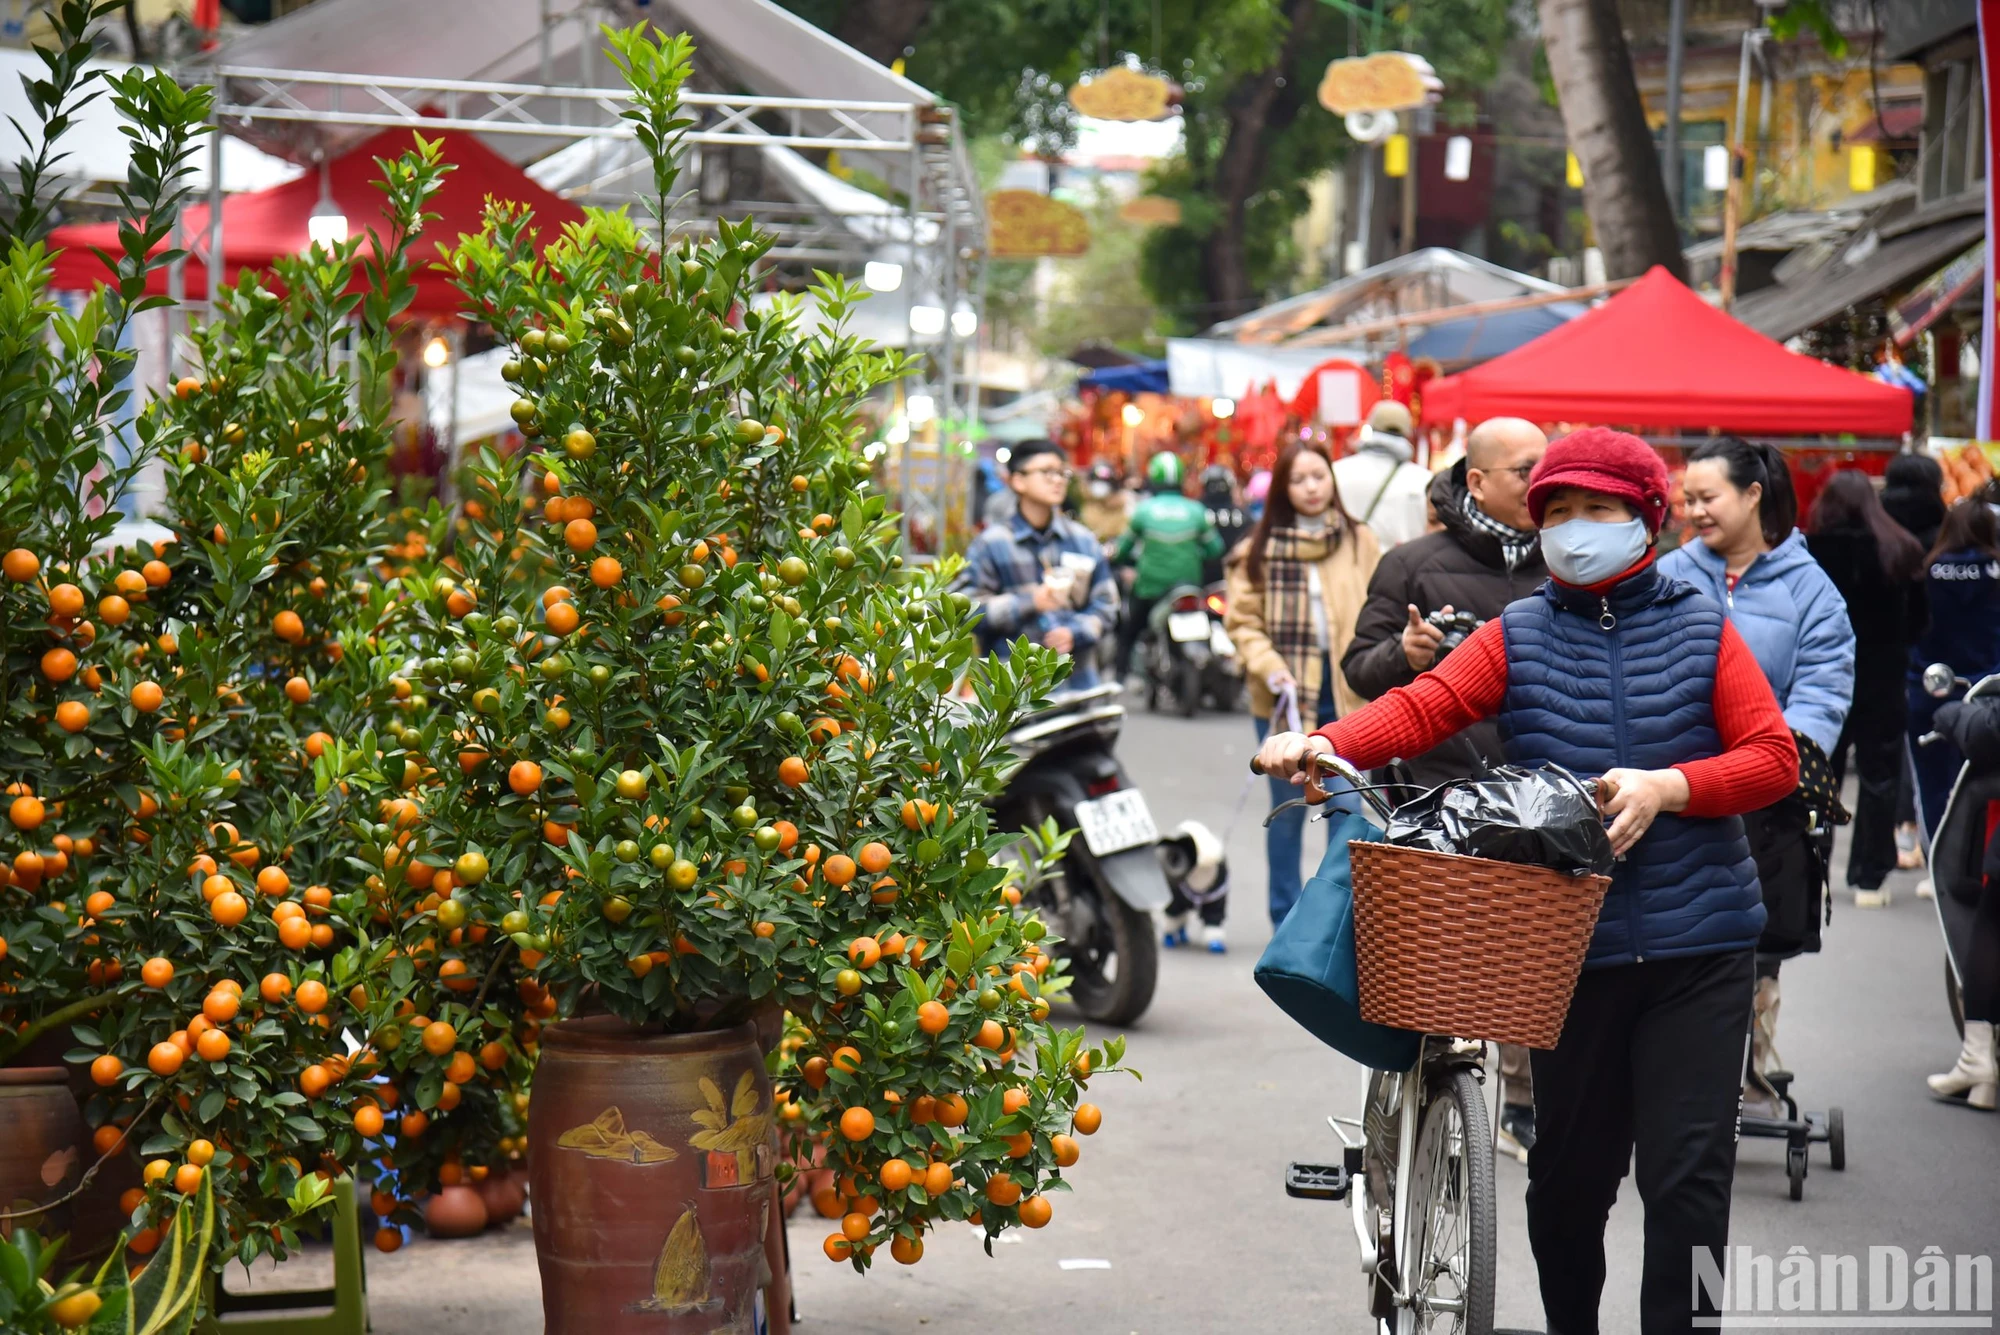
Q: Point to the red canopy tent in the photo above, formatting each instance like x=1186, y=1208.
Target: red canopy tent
x=259, y=227
x=1657, y=355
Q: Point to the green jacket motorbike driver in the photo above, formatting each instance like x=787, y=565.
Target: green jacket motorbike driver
x=1171, y=534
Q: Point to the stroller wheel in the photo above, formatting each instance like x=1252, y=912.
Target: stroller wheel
x=1836, y=1139
x=1795, y=1169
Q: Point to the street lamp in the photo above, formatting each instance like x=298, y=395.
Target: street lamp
x=927, y=320
x=920, y=409
x=882, y=276
x=436, y=352
x=965, y=322
x=326, y=225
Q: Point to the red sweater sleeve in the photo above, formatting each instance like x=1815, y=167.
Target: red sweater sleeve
x=1759, y=762
x=1465, y=687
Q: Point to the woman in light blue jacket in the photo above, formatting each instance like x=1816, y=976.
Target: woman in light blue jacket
x=1752, y=559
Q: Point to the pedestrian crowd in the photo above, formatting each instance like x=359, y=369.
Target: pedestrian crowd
x=1530, y=604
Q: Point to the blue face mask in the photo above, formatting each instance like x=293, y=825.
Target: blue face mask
x=1581, y=551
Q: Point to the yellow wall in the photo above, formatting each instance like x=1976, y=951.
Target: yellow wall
x=1799, y=165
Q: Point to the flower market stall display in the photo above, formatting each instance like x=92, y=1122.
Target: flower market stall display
x=688, y=756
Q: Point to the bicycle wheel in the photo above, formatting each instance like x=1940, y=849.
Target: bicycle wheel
x=1451, y=1204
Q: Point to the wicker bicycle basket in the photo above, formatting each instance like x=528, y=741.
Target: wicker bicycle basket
x=1468, y=947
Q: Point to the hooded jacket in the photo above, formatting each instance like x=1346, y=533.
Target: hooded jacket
x=1459, y=566
x=1795, y=622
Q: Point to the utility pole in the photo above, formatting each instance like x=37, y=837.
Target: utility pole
x=1676, y=44
x=1732, y=202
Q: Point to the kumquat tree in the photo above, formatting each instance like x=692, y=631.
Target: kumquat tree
x=181, y=916
x=691, y=749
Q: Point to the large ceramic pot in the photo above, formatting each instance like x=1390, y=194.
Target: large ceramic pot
x=42, y=1146
x=650, y=1162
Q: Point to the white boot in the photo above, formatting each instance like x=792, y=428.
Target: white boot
x=1974, y=1079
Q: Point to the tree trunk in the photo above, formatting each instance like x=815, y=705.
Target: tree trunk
x=883, y=29
x=1623, y=190
x=1261, y=105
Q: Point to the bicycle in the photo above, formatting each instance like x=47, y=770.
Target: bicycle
x=1426, y=1235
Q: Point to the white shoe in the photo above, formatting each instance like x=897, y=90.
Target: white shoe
x=1872, y=899
x=1213, y=938
x=1925, y=890
x=1974, y=1079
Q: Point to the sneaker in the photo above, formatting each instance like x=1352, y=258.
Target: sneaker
x=1212, y=938
x=1517, y=1131
x=1176, y=935
x=1871, y=899
x=1925, y=890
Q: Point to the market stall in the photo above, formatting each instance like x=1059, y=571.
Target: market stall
x=1657, y=355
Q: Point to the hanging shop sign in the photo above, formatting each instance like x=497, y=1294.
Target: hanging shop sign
x=1936, y=295
x=1385, y=81
x=1024, y=225
x=1124, y=94
x=1152, y=211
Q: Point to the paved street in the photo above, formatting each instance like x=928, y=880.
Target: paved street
x=1179, y=1211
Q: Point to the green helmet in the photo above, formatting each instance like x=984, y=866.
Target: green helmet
x=1163, y=470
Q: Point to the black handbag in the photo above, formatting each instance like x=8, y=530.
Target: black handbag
x=1792, y=842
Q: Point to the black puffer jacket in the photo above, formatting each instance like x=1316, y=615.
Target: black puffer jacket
x=1460, y=567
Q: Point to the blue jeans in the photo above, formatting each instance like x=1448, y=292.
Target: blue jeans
x=1285, y=837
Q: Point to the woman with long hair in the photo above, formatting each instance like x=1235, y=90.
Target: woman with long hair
x=1750, y=557
x=1962, y=590
x=1962, y=581
x=1878, y=568
x=1296, y=585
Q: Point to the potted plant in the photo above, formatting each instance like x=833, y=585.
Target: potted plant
x=692, y=755
x=181, y=918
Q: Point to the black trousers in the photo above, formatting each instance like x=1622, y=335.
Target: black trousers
x=1650, y=1059
x=1875, y=731
x=1138, y=611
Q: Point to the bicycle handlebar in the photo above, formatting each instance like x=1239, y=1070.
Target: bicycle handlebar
x=1603, y=789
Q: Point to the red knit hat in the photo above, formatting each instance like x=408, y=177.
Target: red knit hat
x=1600, y=459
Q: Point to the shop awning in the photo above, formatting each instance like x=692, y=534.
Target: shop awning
x=1422, y=280
x=1208, y=368
x=1657, y=355
x=1138, y=378
x=1863, y=269
x=258, y=228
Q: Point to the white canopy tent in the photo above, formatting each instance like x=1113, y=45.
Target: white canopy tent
x=1211, y=368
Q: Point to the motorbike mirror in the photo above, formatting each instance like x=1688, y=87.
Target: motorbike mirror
x=1939, y=679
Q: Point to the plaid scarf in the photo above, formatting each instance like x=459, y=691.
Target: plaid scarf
x=1288, y=609
x=1516, y=544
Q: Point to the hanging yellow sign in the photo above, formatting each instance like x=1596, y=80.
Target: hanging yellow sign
x=1385, y=81
x=1122, y=94
x=1025, y=225
x=1151, y=211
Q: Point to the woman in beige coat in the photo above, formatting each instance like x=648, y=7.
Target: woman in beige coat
x=1296, y=586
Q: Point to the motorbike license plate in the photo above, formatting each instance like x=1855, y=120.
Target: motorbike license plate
x=1115, y=822
x=1220, y=642
x=1187, y=627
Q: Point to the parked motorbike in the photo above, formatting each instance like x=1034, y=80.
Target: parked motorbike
x=1189, y=657
x=1958, y=848
x=1101, y=898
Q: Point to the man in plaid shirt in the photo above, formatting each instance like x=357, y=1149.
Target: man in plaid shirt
x=1040, y=573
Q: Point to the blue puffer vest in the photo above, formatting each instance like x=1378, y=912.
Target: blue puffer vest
x=1628, y=679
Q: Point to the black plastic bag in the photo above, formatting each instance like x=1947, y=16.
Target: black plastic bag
x=1537, y=817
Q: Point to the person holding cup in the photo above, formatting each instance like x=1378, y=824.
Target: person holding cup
x=1040, y=573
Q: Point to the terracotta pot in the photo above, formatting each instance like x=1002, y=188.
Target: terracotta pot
x=42, y=1146
x=650, y=1162
x=455, y=1212
x=505, y=1194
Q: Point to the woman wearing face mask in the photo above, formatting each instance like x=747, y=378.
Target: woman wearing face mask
x=1296, y=586
x=1752, y=559
x=1614, y=669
